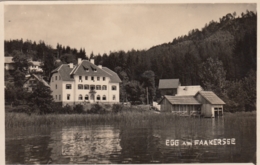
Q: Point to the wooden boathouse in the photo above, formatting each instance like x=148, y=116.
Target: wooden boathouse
x=180, y=105
x=211, y=104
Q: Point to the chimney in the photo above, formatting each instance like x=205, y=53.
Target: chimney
x=100, y=66
x=79, y=60
x=92, y=61
x=71, y=65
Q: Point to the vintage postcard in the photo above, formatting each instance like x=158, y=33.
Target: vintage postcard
x=116, y=82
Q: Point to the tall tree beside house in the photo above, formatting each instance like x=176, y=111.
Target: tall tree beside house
x=21, y=61
x=48, y=65
x=19, y=78
x=149, y=84
x=135, y=92
x=213, y=75
x=41, y=98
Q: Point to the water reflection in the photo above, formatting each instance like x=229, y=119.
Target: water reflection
x=130, y=144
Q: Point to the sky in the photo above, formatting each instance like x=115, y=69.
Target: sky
x=102, y=28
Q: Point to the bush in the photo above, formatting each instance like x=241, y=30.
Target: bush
x=97, y=109
x=78, y=109
x=117, y=108
x=22, y=109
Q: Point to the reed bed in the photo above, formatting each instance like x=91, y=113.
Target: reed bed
x=126, y=117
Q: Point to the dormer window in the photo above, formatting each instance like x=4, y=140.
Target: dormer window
x=87, y=70
x=95, y=70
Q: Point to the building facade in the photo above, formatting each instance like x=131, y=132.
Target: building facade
x=84, y=83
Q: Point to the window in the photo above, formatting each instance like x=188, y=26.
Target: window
x=71, y=76
x=86, y=86
x=104, y=78
x=80, y=78
x=92, y=87
x=98, y=78
x=59, y=97
x=68, y=96
x=56, y=86
x=55, y=77
x=86, y=97
x=104, y=87
x=80, y=86
x=98, y=87
x=56, y=97
x=87, y=69
x=113, y=87
x=68, y=86
x=98, y=97
x=52, y=79
x=92, y=78
x=86, y=77
x=59, y=78
x=114, y=97
x=95, y=70
x=104, y=97
x=80, y=97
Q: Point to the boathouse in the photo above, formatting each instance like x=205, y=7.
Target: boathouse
x=180, y=105
x=211, y=104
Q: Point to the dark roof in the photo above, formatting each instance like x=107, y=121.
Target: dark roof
x=211, y=97
x=89, y=69
x=39, y=79
x=168, y=83
x=85, y=68
x=64, y=71
x=181, y=100
x=113, y=76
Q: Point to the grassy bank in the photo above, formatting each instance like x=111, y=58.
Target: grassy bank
x=126, y=117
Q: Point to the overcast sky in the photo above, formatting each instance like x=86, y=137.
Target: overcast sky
x=111, y=27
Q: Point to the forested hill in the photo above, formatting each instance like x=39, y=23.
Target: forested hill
x=218, y=56
x=232, y=40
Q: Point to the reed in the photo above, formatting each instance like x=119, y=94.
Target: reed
x=125, y=117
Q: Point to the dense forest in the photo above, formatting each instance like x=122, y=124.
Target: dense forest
x=220, y=57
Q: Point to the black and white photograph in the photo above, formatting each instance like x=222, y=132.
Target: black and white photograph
x=109, y=82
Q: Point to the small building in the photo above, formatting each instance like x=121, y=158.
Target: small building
x=212, y=105
x=188, y=90
x=9, y=63
x=169, y=86
x=35, y=67
x=31, y=82
x=180, y=105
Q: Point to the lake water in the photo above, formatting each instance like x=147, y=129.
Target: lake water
x=132, y=144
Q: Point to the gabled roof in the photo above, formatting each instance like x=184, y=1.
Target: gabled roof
x=113, y=76
x=211, y=97
x=181, y=100
x=168, y=83
x=39, y=79
x=9, y=60
x=64, y=71
x=89, y=69
x=85, y=68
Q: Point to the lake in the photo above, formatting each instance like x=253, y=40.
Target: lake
x=189, y=141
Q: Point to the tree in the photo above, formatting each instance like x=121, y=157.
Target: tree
x=213, y=75
x=149, y=83
x=135, y=92
x=21, y=61
x=19, y=78
x=48, y=65
x=41, y=98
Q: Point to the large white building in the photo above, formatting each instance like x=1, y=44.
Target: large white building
x=84, y=83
